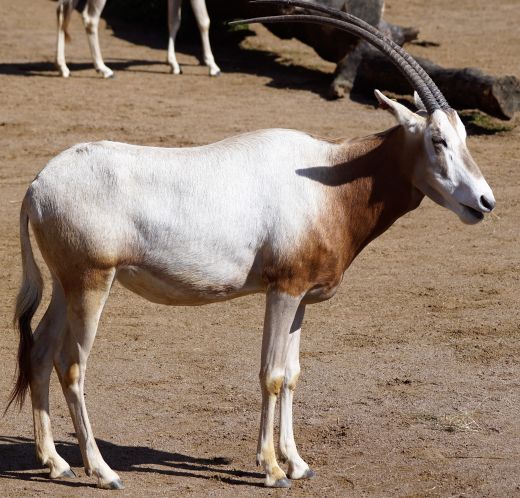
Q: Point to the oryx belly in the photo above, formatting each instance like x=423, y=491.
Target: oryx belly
x=172, y=289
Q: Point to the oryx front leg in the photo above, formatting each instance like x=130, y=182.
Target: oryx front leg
x=174, y=21
x=279, y=316
x=84, y=306
x=91, y=14
x=298, y=469
x=203, y=22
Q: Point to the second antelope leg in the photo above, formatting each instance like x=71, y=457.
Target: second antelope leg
x=84, y=307
x=280, y=314
x=201, y=14
x=298, y=469
x=91, y=14
x=174, y=21
x=64, y=11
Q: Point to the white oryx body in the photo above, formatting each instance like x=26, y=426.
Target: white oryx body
x=154, y=211
x=91, y=12
x=276, y=212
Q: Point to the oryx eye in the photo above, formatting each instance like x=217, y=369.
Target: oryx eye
x=439, y=141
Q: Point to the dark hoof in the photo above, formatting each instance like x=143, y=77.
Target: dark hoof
x=67, y=474
x=117, y=484
x=282, y=483
x=309, y=474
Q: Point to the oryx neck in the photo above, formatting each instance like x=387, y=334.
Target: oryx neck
x=376, y=187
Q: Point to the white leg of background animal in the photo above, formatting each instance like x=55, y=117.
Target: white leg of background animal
x=84, y=307
x=202, y=17
x=64, y=11
x=279, y=316
x=174, y=21
x=46, y=340
x=298, y=469
x=91, y=14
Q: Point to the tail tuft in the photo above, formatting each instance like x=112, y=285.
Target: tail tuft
x=27, y=303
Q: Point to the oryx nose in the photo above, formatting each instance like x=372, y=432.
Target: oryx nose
x=487, y=203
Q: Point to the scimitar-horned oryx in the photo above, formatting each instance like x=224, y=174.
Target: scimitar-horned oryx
x=91, y=12
x=276, y=211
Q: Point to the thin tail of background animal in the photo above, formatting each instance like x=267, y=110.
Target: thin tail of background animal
x=27, y=303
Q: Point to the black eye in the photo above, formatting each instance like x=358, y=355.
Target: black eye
x=439, y=141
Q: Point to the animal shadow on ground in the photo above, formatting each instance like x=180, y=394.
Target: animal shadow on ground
x=230, y=56
x=17, y=461
x=48, y=69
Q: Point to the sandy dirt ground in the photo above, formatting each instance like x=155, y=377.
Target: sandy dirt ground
x=410, y=383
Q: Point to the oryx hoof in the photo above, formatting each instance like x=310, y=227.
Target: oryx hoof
x=107, y=74
x=67, y=474
x=296, y=474
x=215, y=74
x=309, y=474
x=280, y=483
x=175, y=70
x=64, y=70
x=116, y=484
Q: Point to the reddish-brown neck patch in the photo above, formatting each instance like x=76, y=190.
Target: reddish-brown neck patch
x=375, y=190
x=368, y=188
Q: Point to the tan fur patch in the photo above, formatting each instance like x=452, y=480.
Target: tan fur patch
x=274, y=386
x=293, y=381
x=72, y=375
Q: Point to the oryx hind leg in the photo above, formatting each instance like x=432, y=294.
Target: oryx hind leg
x=86, y=298
x=47, y=339
x=298, y=468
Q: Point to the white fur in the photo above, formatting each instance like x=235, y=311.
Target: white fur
x=165, y=203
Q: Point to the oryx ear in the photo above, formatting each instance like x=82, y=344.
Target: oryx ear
x=404, y=116
x=421, y=110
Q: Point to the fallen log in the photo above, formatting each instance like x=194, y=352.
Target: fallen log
x=359, y=67
x=362, y=68
x=465, y=88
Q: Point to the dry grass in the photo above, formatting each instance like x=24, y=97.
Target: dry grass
x=459, y=422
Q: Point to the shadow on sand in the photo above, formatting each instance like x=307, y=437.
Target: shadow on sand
x=17, y=461
x=230, y=56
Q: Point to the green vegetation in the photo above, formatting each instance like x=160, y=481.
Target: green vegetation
x=478, y=123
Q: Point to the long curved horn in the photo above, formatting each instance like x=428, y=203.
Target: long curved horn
x=371, y=29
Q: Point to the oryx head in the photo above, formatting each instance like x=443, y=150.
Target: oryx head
x=447, y=173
